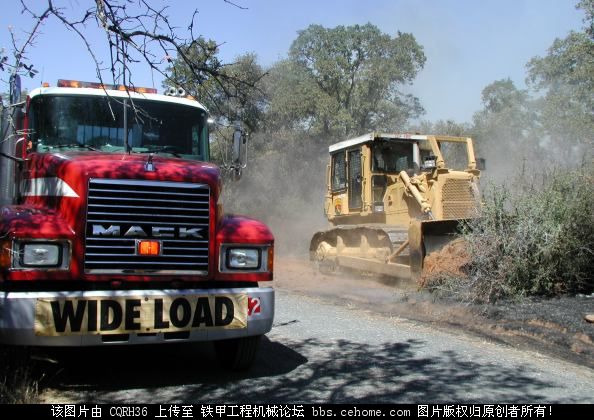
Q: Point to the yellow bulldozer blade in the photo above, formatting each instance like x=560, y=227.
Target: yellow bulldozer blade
x=427, y=236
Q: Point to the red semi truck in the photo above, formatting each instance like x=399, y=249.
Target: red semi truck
x=112, y=231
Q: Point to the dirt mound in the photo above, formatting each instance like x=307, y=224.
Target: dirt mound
x=450, y=261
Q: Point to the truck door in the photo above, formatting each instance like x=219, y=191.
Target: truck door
x=355, y=180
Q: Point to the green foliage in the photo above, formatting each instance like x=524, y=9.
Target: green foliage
x=345, y=80
x=588, y=7
x=293, y=98
x=534, y=237
x=565, y=77
x=443, y=127
x=506, y=129
x=555, y=122
x=235, y=95
x=502, y=95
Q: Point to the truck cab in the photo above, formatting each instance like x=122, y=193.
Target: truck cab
x=115, y=234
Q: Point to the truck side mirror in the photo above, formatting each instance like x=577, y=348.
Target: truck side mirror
x=237, y=142
x=20, y=149
x=239, y=149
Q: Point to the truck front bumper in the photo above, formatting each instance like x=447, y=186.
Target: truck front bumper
x=98, y=318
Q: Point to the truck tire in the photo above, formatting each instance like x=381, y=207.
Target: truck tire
x=237, y=353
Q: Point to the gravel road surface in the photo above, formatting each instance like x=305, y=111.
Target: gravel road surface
x=321, y=351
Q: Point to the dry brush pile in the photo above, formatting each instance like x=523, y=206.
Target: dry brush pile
x=535, y=237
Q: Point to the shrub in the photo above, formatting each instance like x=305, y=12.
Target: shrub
x=535, y=237
x=17, y=385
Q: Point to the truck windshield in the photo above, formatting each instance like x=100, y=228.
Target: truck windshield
x=392, y=156
x=97, y=123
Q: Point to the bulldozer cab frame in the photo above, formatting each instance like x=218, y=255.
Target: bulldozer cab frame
x=361, y=168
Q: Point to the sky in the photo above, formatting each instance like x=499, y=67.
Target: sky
x=468, y=43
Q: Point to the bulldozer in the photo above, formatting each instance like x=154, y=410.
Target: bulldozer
x=392, y=199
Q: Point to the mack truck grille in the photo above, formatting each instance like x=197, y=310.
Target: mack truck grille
x=147, y=227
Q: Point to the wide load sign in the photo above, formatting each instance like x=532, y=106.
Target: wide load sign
x=140, y=314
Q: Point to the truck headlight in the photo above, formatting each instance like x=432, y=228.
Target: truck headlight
x=41, y=254
x=38, y=254
x=244, y=258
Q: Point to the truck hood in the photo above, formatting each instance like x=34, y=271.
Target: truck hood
x=76, y=168
x=55, y=188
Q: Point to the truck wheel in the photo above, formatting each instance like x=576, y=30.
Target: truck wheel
x=237, y=353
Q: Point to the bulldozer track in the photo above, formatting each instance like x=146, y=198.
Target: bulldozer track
x=369, y=241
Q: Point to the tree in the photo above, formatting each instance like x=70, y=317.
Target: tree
x=227, y=102
x=444, y=127
x=505, y=129
x=502, y=95
x=555, y=125
x=564, y=78
x=588, y=7
x=346, y=80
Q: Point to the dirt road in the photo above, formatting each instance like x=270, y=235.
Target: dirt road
x=332, y=341
x=555, y=327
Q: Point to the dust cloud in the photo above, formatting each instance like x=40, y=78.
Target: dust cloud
x=284, y=186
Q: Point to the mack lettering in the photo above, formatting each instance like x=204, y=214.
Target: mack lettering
x=136, y=231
